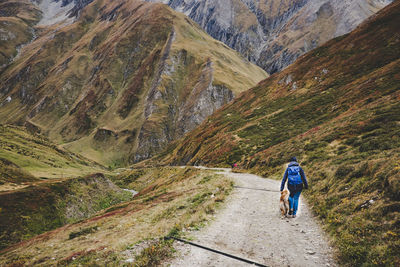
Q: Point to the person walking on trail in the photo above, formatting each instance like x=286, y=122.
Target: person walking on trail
x=296, y=179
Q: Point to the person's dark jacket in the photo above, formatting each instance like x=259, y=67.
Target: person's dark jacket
x=302, y=174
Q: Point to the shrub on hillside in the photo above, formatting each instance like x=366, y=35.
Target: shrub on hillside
x=352, y=141
x=155, y=253
x=343, y=171
x=392, y=182
x=314, y=145
x=361, y=171
x=374, y=144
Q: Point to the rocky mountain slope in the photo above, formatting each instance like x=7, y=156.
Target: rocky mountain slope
x=337, y=109
x=122, y=81
x=17, y=18
x=274, y=33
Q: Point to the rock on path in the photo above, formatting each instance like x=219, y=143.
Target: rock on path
x=250, y=226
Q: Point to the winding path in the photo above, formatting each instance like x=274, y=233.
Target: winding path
x=250, y=226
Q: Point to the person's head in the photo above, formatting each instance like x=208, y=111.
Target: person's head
x=293, y=159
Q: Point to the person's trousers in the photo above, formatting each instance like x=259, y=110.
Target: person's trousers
x=294, y=201
x=295, y=191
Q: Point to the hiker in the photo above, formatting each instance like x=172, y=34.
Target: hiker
x=296, y=179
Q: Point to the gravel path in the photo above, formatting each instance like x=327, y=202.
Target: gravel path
x=250, y=226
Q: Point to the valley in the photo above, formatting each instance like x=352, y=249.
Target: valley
x=337, y=109
x=114, y=85
x=109, y=108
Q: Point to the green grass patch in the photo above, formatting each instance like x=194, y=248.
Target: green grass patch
x=36, y=209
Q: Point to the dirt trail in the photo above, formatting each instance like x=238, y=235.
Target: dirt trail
x=250, y=226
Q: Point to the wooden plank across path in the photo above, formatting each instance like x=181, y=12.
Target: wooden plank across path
x=249, y=226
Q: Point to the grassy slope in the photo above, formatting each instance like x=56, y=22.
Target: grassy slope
x=231, y=69
x=32, y=157
x=170, y=199
x=16, y=22
x=97, y=73
x=337, y=109
x=39, y=188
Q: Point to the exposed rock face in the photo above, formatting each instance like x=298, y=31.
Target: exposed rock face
x=339, y=91
x=122, y=81
x=54, y=12
x=202, y=105
x=203, y=100
x=78, y=5
x=274, y=33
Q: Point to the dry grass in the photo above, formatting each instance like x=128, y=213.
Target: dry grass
x=230, y=68
x=171, y=198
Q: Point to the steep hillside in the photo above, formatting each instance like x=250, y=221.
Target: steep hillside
x=170, y=200
x=45, y=206
x=43, y=187
x=17, y=18
x=274, y=33
x=121, y=82
x=337, y=109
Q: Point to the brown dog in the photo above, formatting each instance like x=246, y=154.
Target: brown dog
x=284, y=202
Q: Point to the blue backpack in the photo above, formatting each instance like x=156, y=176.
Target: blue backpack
x=294, y=176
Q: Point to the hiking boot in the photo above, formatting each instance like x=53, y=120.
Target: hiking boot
x=294, y=216
x=290, y=212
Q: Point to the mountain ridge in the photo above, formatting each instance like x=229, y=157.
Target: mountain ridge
x=273, y=34
x=120, y=84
